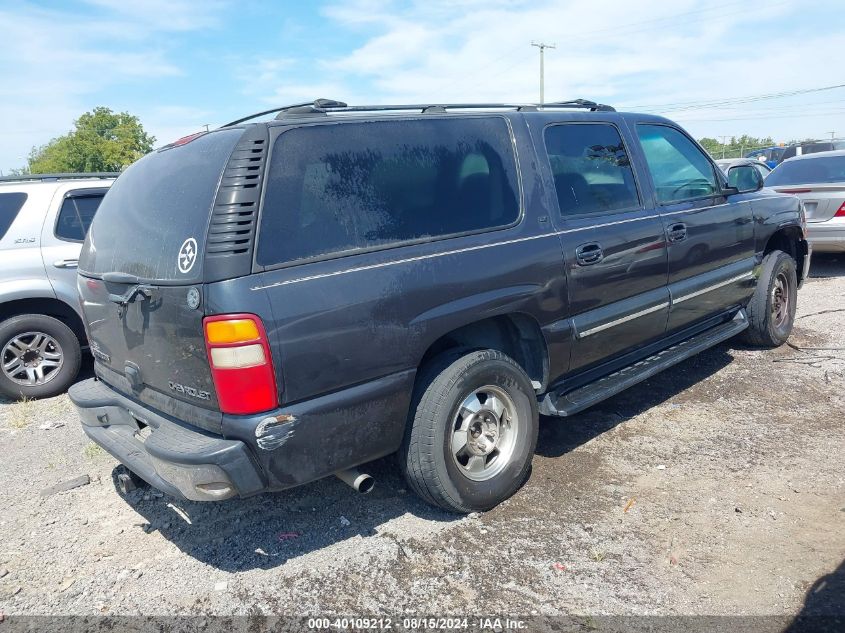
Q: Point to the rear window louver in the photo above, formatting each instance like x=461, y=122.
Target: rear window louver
x=231, y=233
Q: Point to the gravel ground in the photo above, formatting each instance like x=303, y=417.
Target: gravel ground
x=715, y=488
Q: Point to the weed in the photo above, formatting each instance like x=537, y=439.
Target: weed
x=21, y=413
x=92, y=451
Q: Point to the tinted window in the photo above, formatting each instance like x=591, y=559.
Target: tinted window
x=335, y=188
x=155, y=206
x=679, y=169
x=591, y=169
x=804, y=171
x=75, y=216
x=10, y=204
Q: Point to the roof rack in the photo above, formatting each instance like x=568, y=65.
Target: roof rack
x=68, y=176
x=323, y=106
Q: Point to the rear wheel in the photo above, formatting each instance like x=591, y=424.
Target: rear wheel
x=39, y=356
x=771, y=311
x=472, y=431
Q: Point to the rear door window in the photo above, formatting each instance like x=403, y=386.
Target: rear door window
x=342, y=188
x=679, y=169
x=591, y=169
x=10, y=204
x=76, y=215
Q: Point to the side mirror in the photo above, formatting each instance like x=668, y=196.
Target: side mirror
x=745, y=179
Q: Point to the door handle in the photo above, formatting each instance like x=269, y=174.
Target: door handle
x=678, y=232
x=66, y=263
x=588, y=254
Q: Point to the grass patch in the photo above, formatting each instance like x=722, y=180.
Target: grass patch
x=597, y=555
x=21, y=413
x=93, y=451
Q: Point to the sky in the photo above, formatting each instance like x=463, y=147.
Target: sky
x=181, y=65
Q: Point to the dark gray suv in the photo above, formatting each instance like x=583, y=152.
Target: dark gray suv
x=273, y=302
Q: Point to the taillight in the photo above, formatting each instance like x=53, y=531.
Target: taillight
x=241, y=364
x=841, y=212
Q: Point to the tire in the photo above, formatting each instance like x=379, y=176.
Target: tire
x=771, y=311
x=54, y=355
x=502, y=434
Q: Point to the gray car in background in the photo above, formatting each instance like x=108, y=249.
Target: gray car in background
x=819, y=180
x=726, y=163
x=43, y=221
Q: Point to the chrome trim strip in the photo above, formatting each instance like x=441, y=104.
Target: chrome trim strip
x=451, y=252
x=623, y=319
x=721, y=284
x=695, y=209
x=407, y=260
x=598, y=226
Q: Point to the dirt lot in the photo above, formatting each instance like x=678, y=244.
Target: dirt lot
x=715, y=488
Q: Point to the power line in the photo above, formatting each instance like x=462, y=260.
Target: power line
x=758, y=117
x=679, y=106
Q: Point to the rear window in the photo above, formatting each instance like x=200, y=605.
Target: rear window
x=808, y=171
x=153, y=221
x=342, y=188
x=10, y=204
x=76, y=215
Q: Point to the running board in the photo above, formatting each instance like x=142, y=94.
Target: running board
x=568, y=403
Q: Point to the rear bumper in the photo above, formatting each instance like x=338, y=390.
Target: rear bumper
x=827, y=237
x=178, y=460
x=279, y=449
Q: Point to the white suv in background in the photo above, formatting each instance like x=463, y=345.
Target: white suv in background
x=43, y=221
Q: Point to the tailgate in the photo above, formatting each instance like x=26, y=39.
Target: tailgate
x=152, y=347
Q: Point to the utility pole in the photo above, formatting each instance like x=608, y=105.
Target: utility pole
x=206, y=126
x=542, y=48
x=832, y=135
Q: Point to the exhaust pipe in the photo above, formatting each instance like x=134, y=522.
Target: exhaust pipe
x=361, y=482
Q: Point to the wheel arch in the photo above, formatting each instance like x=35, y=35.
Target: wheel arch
x=790, y=240
x=516, y=334
x=49, y=306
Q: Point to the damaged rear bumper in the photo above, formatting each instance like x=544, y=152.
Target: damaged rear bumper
x=181, y=461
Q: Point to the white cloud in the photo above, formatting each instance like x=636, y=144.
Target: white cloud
x=163, y=15
x=665, y=51
x=53, y=61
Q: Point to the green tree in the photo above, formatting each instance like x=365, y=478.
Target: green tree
x=736, y=147
x=101, y=140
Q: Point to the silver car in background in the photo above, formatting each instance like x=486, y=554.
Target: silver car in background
x=819, y=180
x=43, y=221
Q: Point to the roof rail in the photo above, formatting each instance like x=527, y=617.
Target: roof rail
x=321, y=106
x=68, y=176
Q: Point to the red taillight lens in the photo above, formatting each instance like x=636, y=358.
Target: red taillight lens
x=841, y=212
x=241, y=364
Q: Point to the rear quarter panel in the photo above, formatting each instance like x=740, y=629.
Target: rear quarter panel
x=345, y=321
